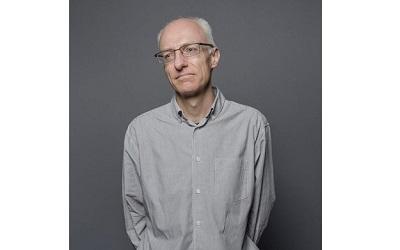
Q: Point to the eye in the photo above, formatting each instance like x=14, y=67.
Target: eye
x=191, y=49
x=167, y=55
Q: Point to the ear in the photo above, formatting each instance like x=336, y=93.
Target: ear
x=214, y=58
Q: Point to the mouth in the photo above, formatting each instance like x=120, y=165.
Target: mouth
x=184, y=75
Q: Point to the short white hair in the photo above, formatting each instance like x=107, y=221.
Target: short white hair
x=204, y=25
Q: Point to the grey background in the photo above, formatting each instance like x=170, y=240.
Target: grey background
x=271, y=60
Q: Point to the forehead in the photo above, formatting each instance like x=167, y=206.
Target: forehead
x=180, y=32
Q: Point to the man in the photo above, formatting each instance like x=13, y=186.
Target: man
x=197, y=172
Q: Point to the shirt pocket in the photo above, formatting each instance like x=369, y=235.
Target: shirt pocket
x=231, y=178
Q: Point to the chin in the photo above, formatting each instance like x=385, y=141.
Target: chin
x=187, y=89
x=188, y=93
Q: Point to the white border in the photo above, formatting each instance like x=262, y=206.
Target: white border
x=34, y=125
x=361, y=125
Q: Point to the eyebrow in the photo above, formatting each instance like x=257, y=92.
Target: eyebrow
x=178, y=47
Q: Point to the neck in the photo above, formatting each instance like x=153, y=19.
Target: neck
x=197, y=107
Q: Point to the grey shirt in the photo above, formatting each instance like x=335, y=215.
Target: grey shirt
x=198, y=186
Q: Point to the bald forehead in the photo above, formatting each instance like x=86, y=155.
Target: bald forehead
x=181, y=31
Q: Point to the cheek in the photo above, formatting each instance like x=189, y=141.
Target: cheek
x=168, y=74
x=205, y=72
x=203, y=68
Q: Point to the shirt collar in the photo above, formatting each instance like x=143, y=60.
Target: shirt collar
x=215, y=108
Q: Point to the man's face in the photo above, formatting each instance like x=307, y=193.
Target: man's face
x=189, y=76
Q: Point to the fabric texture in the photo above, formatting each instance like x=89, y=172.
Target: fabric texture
x=198, y=186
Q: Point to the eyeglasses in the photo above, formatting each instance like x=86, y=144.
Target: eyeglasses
x=187, y=50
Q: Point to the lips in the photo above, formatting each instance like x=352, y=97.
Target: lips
x=188, y=74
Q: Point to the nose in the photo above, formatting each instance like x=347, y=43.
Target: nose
x=179, y=61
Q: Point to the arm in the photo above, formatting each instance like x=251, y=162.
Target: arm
x=134, y=212
x=264, y=192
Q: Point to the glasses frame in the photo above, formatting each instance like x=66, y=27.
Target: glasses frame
x=159, y=57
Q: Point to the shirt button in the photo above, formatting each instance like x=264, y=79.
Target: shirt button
x=197, y=191
x=197, y=158
x=198, y=223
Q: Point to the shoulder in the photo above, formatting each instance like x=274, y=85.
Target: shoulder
x=249, y=113
x=160, y=113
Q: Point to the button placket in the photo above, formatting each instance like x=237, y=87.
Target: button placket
x=196, y=182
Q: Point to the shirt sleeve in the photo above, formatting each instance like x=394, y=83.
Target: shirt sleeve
x=264, y=191
x=132, y=197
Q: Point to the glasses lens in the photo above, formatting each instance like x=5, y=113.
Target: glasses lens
x=167, y=56
x=191, y=50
